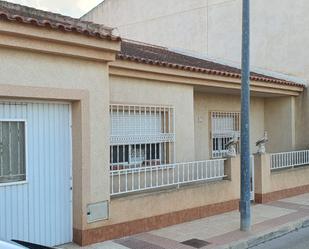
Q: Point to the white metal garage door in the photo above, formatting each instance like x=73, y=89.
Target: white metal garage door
x=35, y=172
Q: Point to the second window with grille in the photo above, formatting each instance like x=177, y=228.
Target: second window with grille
x=224, y=126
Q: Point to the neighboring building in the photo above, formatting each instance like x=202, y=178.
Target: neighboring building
x=102, y=138
x=170, y=23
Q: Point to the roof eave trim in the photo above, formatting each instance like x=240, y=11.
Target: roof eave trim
x=203, y=70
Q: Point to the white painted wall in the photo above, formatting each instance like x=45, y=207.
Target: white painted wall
x=278, y=34
x=171, y=23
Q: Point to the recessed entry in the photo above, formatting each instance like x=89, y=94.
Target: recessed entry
x=195, y=243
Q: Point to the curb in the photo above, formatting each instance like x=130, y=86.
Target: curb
x=258, y=239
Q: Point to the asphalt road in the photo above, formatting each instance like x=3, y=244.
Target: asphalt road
x=295, y=240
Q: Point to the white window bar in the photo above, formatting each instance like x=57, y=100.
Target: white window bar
x=141, y=136
x=224, y=126
x=154, y=177
x=289, y=159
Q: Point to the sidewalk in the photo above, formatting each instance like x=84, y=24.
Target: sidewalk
x=221, y=231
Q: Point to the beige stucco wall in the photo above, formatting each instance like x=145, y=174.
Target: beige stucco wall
x=267, y=181
x=280, y=123
x=21, y=68
x=137, y=91
x=301, y=121
x=204, y=103
x=287, y=179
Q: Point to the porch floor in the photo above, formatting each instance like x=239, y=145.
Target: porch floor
x=220, y=231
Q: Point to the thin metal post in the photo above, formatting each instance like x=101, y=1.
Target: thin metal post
x=245, y=203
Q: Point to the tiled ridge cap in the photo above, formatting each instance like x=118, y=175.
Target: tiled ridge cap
x=27, y=15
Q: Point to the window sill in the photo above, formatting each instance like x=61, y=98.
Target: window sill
x=13, y=183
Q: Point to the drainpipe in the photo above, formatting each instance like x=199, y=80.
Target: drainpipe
x=245, y=202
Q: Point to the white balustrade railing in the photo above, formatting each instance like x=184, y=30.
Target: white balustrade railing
x=289, y=159
x=154, y=177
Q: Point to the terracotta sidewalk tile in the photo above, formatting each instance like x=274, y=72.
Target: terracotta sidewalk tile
x=160, y=241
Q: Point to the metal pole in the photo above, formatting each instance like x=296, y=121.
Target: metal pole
x=245, y=202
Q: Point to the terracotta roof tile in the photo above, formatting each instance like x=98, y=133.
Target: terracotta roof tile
x=23, y=14
x=160, y=56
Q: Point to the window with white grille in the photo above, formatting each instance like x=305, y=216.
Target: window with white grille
x=12, y=151
x=224, y=126
x=141, y=136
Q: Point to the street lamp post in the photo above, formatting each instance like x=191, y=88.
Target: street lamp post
x=245, y=202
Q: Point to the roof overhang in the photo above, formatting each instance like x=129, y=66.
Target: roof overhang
x=261, y=71
x=199, y=80
x=28, y=37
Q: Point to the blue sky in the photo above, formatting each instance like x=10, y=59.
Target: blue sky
x=74, y=8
